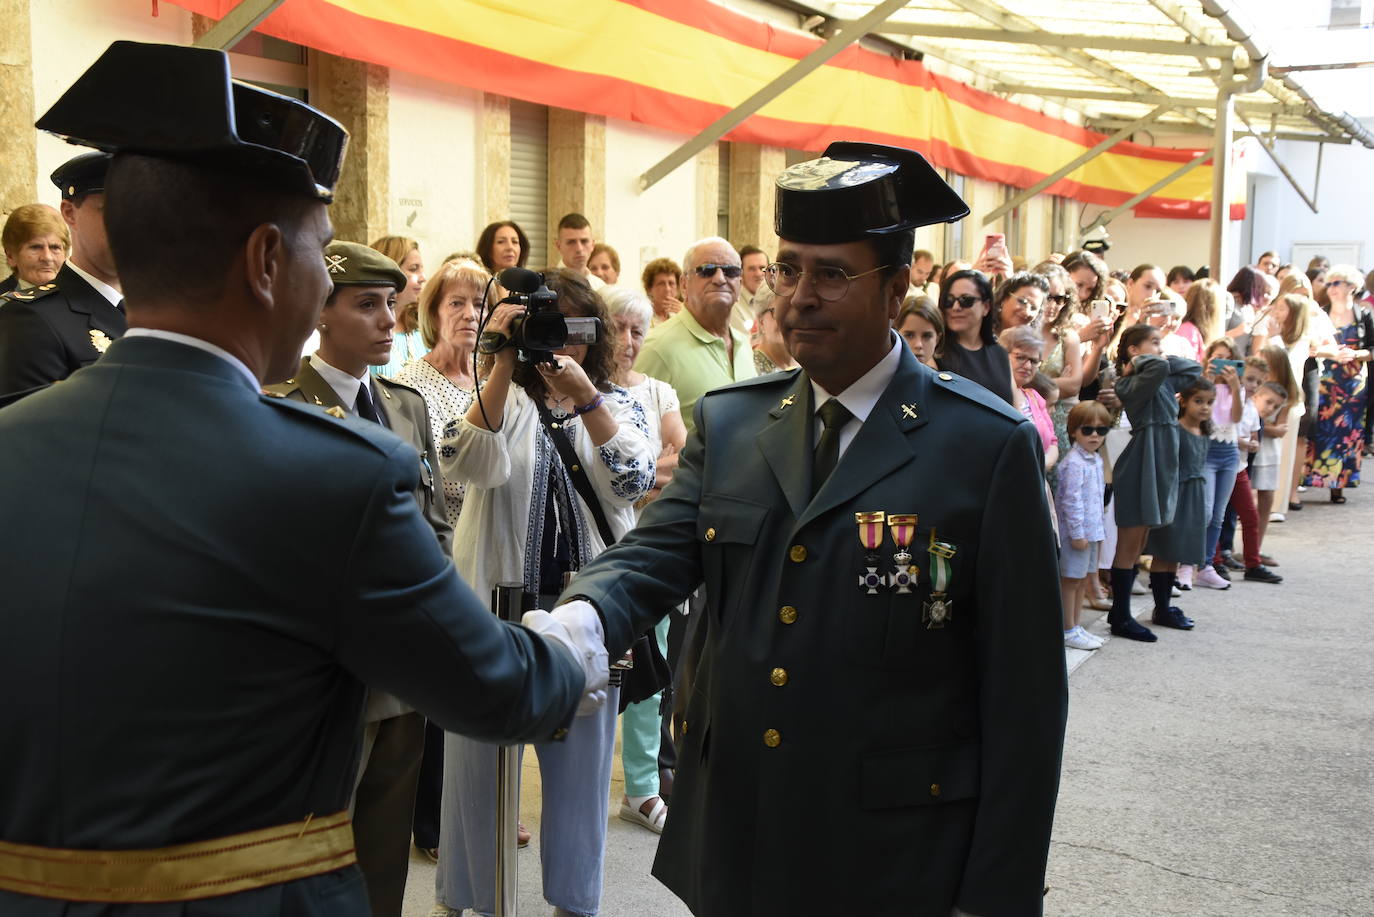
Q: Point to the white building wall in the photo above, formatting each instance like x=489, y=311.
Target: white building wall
x=436, y=185
x=68, y=35
x=657, y=223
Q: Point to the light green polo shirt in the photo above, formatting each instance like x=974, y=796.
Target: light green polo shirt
x=693, y=360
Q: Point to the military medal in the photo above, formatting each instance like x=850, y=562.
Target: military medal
x=938, y=608
x=903, y=529
x=871, y=535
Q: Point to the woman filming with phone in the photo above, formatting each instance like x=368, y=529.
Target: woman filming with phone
x=555, y=457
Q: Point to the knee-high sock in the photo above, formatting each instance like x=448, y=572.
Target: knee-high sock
x=1123, y=578
x=1162, y=588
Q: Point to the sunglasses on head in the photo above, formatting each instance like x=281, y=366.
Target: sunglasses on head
x=1094, y=431
x=707, y=271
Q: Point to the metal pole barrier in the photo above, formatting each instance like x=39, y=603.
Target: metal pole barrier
x=508, y=601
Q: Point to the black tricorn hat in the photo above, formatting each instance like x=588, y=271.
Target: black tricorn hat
x=84, y=174
x=180, y=103
x=858, y=190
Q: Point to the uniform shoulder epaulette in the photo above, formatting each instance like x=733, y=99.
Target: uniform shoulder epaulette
x=783, y=378
x=30, y=295
x=328, y=417
x=972, y=391
x=386, y=383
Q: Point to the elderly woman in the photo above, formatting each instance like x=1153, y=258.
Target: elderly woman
x=37, y=243
x=604, y=263
x=1025, y=348
x=642, y=723
x=1335, y=443
x=1063, y=345
x=970, y=347
x=555, y=456
x=920, y=325
x=770, y=351
x=406, y=343
x=502, y=245
x=662, y=281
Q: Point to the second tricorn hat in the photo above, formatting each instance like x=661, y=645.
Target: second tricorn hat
x=355, y=264
x=858, y=190
x=180, y=103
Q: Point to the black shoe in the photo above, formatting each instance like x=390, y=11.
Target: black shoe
x=1263, y=574
x=1172, y=617
x=1134, y=631
x=1294, y=506
x=1222, y=571
x=1229, y=560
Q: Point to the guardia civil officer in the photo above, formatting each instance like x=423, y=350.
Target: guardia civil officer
x=55, y=328
x=355, y=331
x=201, y=579
x=879, y=710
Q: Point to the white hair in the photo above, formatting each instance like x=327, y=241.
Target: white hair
x=628, y=302
x=688, y=262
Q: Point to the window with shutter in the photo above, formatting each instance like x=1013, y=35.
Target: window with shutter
x=529, y=178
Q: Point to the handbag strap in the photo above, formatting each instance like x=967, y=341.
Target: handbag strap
x=563, y=443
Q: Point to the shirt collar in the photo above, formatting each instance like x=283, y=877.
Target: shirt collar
x=863, y=394
x=104, y=289
x=346, y=386
x=199, y=344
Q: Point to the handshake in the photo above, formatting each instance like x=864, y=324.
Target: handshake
x=576, y=626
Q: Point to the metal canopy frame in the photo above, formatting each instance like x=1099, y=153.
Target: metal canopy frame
x=237, y=23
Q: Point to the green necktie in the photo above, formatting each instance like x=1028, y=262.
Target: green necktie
x=834, y=415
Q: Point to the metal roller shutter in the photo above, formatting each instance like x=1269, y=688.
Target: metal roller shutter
x=529, y=177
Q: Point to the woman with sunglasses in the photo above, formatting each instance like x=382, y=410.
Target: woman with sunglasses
x=970, y=347
x=1335, y=444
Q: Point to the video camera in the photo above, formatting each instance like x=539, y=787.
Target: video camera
x=542, y=329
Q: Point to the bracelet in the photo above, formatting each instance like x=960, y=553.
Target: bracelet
x=589, y=406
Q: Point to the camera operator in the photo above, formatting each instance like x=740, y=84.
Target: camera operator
x=525, y=520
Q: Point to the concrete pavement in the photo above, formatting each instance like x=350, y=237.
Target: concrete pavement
x=1223, y=771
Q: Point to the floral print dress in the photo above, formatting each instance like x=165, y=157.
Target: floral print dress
x=1336, y=443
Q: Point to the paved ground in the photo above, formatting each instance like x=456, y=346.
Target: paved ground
x=1226, y=771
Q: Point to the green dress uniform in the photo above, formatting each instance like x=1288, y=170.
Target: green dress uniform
x=862, y=737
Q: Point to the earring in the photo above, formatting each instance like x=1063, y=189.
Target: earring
x=323, y=326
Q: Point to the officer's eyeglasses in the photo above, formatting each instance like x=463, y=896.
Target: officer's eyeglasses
x=967, y=301
x=707, y=271
x=830, y=283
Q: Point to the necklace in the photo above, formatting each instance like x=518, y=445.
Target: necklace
x=557, y=409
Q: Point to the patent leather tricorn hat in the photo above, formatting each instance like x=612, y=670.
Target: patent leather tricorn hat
x=180, y=103
x=858, y=190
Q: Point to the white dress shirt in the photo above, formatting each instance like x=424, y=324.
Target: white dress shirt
x=199, y=344
x=344, y=385
x=104, y=289
x=860, y=398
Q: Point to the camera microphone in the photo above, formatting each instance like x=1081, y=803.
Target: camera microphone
x=520, y=280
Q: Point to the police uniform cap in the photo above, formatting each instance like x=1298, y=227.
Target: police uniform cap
x=354, y=264
x=180, y=103
x=84, y=174
x=860, y=190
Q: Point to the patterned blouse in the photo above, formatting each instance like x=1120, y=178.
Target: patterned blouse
x=446, y=402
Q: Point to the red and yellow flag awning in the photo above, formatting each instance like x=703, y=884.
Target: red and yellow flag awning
x=681, y=64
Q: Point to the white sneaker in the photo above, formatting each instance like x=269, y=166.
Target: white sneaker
x=1209, y=578
x=1277, y=517
x=1093, y=637
x=1078, y=639
x=1185, y=577
x=1137, y=587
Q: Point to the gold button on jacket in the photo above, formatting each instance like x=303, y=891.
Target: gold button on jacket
x=787, y=614
x=710, y=534
x=778, y=677
x=797, y=553
x=772, y=738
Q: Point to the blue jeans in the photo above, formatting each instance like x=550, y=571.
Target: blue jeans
x=1220, y=473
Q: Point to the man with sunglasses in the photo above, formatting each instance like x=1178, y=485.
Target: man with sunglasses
x=697, y=349
x=879, y=708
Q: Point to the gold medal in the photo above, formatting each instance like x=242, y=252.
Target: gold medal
x=871, y=536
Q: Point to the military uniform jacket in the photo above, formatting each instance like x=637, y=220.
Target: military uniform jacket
x=403, y=409
x=839, y=754
x=200, y=579
x=52, y=330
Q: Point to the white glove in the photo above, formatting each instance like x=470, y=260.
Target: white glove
x=576, y=626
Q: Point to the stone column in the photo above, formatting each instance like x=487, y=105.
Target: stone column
x=753, y=171
x=494, y=159
x=577, y=170
x=19, y=165
x=357, y=95
x=708, y=190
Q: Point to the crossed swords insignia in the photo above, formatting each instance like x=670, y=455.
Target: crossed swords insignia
x=335, y=263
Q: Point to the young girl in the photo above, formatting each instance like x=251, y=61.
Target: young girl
x=1145, y=475
x=1278, y=432
x=920, y=325
x=1223, y=456
x=1182, y=540
x=1079, y=508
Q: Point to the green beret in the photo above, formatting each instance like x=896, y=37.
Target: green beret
x=351, y=263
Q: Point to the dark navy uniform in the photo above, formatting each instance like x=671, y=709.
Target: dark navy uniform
x=54, y=329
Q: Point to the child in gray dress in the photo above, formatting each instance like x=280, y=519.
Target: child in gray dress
x=1184, y=540
x=1145, y=475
